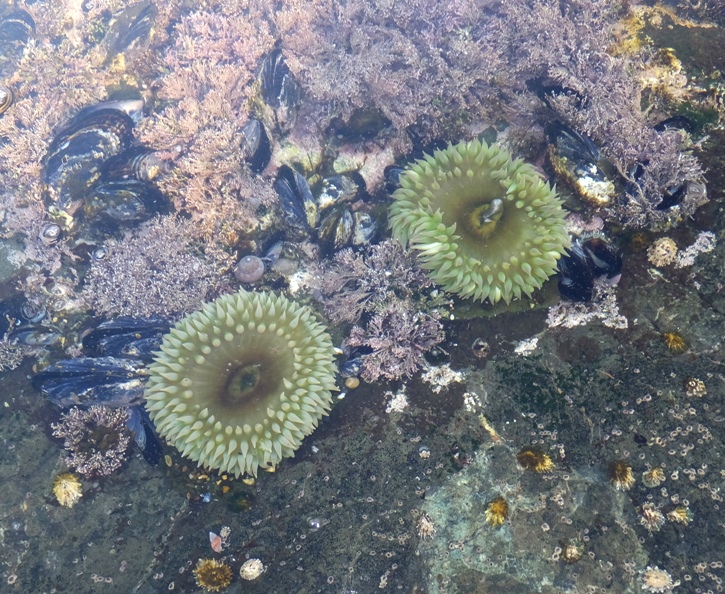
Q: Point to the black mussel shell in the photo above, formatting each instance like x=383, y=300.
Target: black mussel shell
x=392, y=177
x=279, y=88
x=578, y=161
x=34, y=335
x=255, y=145
x=127, y=337
x=337, y=189
x=336, y=229
x=277, y=80
x=295, y=197
x=131, y=26
x=132, y=106
x=571, y=145
x=678, y=122
x=604, y=257
x=362, y=125
x=17, y=312
x=672, y=197
x=138, y=162
x=576, y=275
x=352, y=367
x=16, y=28
x=84, y=381
x=144, y=434
x=76, y=154
x=364, y=228
x=545, y=91
x=126, y=201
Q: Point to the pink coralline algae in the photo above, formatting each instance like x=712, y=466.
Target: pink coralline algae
x=96, y=439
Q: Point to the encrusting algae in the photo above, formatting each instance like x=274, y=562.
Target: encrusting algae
x=212, y=575
x=67, y=489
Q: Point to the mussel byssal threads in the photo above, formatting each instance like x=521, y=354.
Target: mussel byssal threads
x=240, y=383
x=212, y=575
x=497, y=511
x=620, y=475
x=485, y=225
x=534, y=459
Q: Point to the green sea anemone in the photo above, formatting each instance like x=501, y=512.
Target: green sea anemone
x=485, y=226
x=240, y=383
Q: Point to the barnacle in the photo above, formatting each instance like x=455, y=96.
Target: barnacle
x=212, y=575
x=651, y=517
x=67, y=489
x=485, y=225
x=675, y=342
x=680, y=515
x=497, y=511
x=534, y=459
x=571, y=551
x=657, y=581
x=653, y=477
x=240, y=383
x=620, y=475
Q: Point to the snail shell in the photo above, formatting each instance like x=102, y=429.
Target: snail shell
x=249, y=269
x=50, y=233
x=6, y=99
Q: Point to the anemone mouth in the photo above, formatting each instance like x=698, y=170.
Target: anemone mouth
x=240, y=383
x=237, y=378
x=485, y=226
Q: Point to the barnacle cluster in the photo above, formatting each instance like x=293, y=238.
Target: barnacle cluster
x=251, y=569
x=240, y=383
x=212, y=575
x=571, y=551
x=425, y=527
x=695, y=387
x=485, y=225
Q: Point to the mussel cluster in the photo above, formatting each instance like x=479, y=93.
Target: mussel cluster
x=331, y=215
x=93, y=172
x=578, y=162
x=113, y=373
